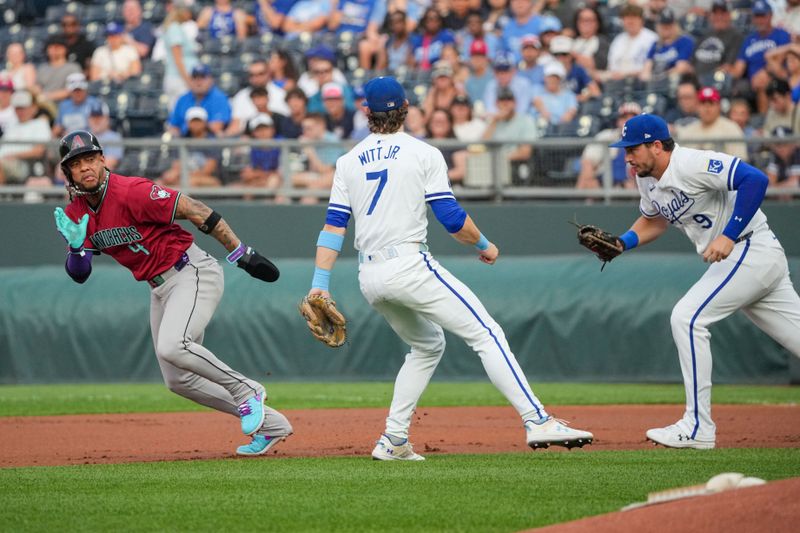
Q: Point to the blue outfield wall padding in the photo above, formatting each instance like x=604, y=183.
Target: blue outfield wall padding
x=564, y=319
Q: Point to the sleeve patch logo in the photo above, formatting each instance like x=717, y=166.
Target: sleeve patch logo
x=159, y=193
x=715, y=166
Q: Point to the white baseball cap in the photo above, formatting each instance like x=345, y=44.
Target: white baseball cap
x=77, y=80
x=561, y=44
x=555, y=68
x=196, y=113
x=21, y=99
x=262, y=119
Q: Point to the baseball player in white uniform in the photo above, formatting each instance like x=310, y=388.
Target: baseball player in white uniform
x=384, y=183
x=714, y=199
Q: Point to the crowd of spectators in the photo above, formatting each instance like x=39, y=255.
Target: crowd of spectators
x=510, y=71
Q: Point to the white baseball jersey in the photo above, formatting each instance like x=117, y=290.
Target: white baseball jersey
x=695, y=194
x=385, y=182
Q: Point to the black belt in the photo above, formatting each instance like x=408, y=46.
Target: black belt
x=744, y=237
x=174, y=269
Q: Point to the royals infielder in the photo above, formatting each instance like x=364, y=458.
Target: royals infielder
x=714, y=199
x=133, y=221
x=384, y=183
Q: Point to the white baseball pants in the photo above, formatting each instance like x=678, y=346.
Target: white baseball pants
x=418, y=297
x=754, y=278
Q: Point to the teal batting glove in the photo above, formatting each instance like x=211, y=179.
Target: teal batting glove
x=74, y=234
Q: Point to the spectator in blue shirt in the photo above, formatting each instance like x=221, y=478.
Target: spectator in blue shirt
x=223, y=20
x=530, y=66
x=671, y=55
x=321, y=70
x=73, y=112
x=202, y=93
x=362, y=18
x=427, y=45
x=577, y=80
x=555, y=103
x=100, y=125
x=309, y=16
x=480, y=72
x=506, y=77
x=269, y=15
x=474, y=31
x=202, y=162
x=139, y=33
x=751, y=61
x=525, y=21
x=397, y=52
x=263, y=170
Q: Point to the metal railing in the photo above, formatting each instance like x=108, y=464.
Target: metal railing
x=550, y=172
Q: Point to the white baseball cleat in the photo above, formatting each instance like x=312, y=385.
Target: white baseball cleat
x=386, y=451
x=556, y=432
x=675, y=437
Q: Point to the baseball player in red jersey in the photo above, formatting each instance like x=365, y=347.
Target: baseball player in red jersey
x=133, y=220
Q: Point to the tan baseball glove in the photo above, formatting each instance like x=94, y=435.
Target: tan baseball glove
x=324, y=320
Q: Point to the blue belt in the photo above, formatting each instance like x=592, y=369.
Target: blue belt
x=174, y=269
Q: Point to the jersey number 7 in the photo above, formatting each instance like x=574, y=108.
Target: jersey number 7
x=381, y=175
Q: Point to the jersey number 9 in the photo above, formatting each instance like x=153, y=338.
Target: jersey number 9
x=703, y=220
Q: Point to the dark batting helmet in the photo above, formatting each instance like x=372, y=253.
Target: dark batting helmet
x=73, y=145
x=77, y=143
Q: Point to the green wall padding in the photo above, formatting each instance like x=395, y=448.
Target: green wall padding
x=565, y=321
x=520, y=229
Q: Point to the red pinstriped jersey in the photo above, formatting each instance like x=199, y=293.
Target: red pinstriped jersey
x=135, y=224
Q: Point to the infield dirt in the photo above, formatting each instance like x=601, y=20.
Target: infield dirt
x=28, y=441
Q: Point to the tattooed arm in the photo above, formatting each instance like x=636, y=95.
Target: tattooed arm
x=197, y=213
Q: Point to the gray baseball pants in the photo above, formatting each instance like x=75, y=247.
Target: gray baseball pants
x=180, y=309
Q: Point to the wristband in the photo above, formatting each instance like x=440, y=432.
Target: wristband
x=236, y=254
x=483, y=243
x=328, y=239
x=210, y=223
x=321, y=279
x=630, y=239
x=77, y=251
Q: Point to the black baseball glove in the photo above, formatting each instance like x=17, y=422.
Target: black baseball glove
x=603, y=244
x=258, y=266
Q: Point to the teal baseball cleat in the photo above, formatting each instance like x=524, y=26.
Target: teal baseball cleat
x=260, y=445
x=252, y=414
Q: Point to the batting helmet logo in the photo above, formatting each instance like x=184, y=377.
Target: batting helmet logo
x=77, y=142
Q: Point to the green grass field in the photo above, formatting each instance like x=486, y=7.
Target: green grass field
x=148, y=398
x=500, y=492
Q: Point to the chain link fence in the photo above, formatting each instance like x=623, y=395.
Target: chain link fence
x=553, y=171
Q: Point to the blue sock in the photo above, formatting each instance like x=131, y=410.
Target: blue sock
x=397, y=441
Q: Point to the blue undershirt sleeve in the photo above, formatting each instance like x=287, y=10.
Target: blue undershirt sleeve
x=337, y=218
x=750, y=185
x=449, y=213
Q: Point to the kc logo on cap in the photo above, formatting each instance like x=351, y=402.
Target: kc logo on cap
x=642, y=129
